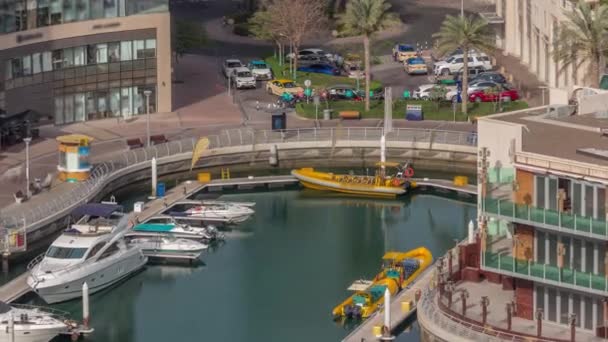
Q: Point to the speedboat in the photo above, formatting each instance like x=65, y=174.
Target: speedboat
x=238, y=204
x=379, y=185
x=31, y=324
x=364, y=303
x=405, y=266
x=168, y=247
x=219, y=212
x=167, y=225
x=93, y=250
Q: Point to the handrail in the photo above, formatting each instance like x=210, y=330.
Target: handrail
x=19, y=216
x=59, y=314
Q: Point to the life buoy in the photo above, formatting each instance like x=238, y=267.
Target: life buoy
x=409, y=172
x=395, y=182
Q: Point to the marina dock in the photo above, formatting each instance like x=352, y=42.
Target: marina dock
x=15, y=288
x=365, y=331
x=445, y=184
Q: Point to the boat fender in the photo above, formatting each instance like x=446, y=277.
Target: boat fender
x=348, y=310
x=357, y=311
x=395, y=182
x=409, y=172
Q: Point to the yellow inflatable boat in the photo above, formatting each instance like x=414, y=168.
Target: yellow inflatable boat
x=363, y=304
x=379, y=185
x=405, y=267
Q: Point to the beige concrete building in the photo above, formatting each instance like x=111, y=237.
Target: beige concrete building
x=527, y=29
x=84, y=60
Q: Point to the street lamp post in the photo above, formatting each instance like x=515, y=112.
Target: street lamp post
x=27, y=141
x=147, y=93
x=462, y=8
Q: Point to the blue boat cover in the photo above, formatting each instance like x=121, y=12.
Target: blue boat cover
x=154, y=227
x=406, y=48
x=97, y=209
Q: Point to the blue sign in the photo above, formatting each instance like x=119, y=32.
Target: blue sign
x=413, y=113
x=279, y=121
x=160, y=190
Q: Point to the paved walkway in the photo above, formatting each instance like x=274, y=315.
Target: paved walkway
x=497, y=316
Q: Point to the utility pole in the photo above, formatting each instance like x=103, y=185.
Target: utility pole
x=462, y=8
x=147, y=93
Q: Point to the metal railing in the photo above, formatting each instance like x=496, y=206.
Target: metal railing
x=549, y=219
x=26, y=215
x=454, y=326
x=565, y=277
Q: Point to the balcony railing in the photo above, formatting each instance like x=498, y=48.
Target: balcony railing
x=549, y=274
x=548, y=219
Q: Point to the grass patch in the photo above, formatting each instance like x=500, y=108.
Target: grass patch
x=429, y=109
x=319, y=81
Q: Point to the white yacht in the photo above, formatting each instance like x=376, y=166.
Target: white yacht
x=31, y=324
x=168, y=247
x=168, y=225
x=93, y=250
x=216, y=212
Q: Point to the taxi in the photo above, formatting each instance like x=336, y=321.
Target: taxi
x=416, y=66
x=402, y=52
x=280, y=86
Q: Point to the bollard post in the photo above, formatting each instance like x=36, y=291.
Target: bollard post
x=485, y=301
x=572, y=327
x=539, y=322
x=450, y=264
x=85, y=305
x=154, y=177
x=509, y=313
x=11, y=327
x=5, y=256
x=463, y=297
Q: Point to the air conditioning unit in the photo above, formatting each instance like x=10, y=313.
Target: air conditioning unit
x=559, y=111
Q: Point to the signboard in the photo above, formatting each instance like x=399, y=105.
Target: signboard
x=316, y=100
x=413, y=112
x=307, y=83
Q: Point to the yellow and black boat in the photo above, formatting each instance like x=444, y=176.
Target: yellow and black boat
x=405, y=266
x=379, y=185
x=363, y=304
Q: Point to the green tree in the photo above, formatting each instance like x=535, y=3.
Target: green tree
x=438, y=94
x=188, y=35
x=366, y=17
x=466, y=34
x=583, y=38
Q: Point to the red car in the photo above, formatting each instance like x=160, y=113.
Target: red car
x=490, y=96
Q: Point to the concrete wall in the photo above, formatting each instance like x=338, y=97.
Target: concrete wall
x=89, y=32
x=593, y=104
x=502, y=139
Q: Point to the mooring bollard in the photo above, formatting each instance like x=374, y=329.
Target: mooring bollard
x=11, y=327
x=154, y=177
x=85, y=305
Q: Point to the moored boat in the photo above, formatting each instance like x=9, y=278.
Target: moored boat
x=405, y=266
x=379, y=185
x=221, y=212
x=168, y=247
x=364, y=303
x=31, y=324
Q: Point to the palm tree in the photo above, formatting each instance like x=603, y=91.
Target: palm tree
x=583, y=38
x=466, y=34
x=366, y=17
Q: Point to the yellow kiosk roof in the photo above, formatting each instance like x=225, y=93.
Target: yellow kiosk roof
x=74, y=139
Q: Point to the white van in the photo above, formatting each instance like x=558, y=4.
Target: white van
x=243, y=78
x=455, y=63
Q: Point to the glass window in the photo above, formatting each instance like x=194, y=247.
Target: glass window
x=151, y=48
x=566, y=244
x=101, y=51
x=68, y=109
x=109, y=251
x=8, y=70
x=139, y=47
x=539, y=192
x=79, y=107
x=126, y=102
x=65, y=252
x=36, y=63
x=564, y=307
x=57, y=59
x=588, y=324
x=552, y=249
x=552, y=310
x=17, y=67
x=96, y=249
x=115, y=102
x=59, y=110
x=588, y=256
x=601, y=258
x=69, y=10
x=540, y=246
x=68, y=57
x=600, y=312
x=47, y=61
x=79, y=55
x=114, y=52
x=102, y=103
x=576, y=255
x=56, y=12
x=601, y=203
x=20, y=15
x=540, y=298
x=91, y=55
x=27, y=65
x=91, y=106
x=97, y=10
x=588, y=200
x=552, y=200
x=82, y=9
x=126, y=51
x=576, y=308
x=110, y=8
x=42, y=13
x=577, y=199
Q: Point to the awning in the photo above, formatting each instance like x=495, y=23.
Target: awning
x=97, y=209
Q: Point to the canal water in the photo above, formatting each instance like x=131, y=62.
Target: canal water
x=279, y=274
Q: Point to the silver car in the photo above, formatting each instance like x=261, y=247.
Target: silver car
x=230, y=65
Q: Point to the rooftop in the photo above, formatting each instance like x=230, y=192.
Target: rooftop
x=560, y=136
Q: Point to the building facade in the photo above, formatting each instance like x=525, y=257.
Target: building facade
x=529, y=31
x=79, y=60
x=544, y=207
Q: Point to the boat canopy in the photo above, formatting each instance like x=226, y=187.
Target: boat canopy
x=393, y=255
x=97, y=209
x=389, y=164
x=154, y=227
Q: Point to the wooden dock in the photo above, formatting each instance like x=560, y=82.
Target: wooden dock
x=15, y=288
x=365, y=332
x=445, y=184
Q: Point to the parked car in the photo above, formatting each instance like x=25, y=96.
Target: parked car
x=473, y=73
x=260, y=70
x=502, y=92
x=402, y=52
x=230, y=65
x=306, y=52
x=278, y=87
x=456, y=63
x=416, y=65
x=243, y=78
x=423, y=92
x=473, y=87
x=343, y=92
x=492, y=76
x=320, y=69
x=314, y=59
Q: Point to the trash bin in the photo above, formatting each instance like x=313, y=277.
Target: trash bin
x=160, y=190
x=327, y=114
